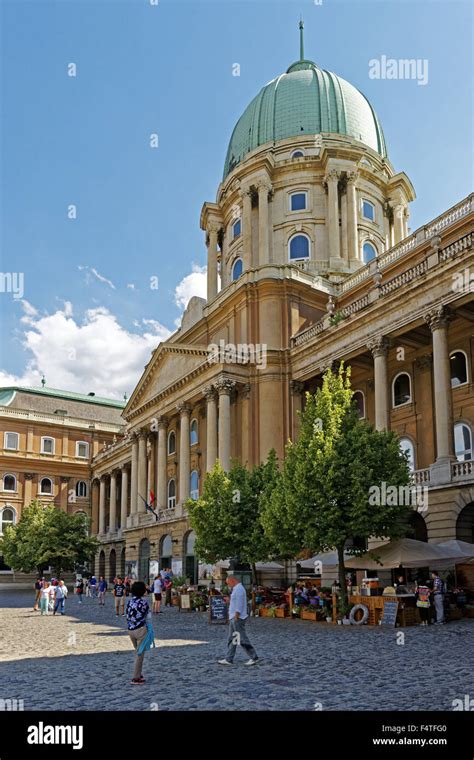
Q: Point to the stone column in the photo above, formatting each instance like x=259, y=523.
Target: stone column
x=406, y=217
x=247, y=427
x=224, y=387
x=438, y=320
x=142, y=472
x=332, y=179
x=211, y=433
x=113, y=502
x=343, y=230
x=184, y=452
x=264, y=188
x=124, y=497
x=95, y=484
x=212, y=231
x=151, y=453
x=247, y=228
x=102, y=505
x=161, y=464
x=398, y=222
x=352, y=237
x=134, y=476
x=379, y=348
x=296, y=389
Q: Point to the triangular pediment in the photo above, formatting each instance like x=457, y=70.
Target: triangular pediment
x=169, y=365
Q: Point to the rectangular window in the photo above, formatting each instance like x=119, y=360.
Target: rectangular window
x=298, y=201
x=47, y=445
x=11, y=441
x=368, y=211
x=236, y=229
x=82, y=450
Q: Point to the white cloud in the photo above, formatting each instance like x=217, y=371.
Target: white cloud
x=97, y=275
x=96, y=354
x=131, y=286
x=194, y=284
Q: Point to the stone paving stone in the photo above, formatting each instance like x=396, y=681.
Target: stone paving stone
x=83, y=661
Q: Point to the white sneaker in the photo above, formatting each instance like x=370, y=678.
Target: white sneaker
x=251, y=662
x=224, y=662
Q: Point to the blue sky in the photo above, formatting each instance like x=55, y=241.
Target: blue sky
x=167, y=69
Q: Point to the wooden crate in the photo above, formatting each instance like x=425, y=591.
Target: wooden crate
x=308, y=615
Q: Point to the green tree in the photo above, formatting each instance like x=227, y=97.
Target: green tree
x=226, y=518
x=330, y=475
x=47, y=536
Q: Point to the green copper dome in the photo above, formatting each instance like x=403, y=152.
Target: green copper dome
x=304, y=101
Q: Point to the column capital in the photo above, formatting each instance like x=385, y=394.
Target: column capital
x=125, y=467
x=225, y=385
x=264, y=184
x=142, y=433
x=296, y=387
x=163, y=423
x=333, y=175
x=424, y=362
x=244, y=390
x=65, y=478
x=331, y=364
x=352, y=177
x=29, y=475
x=438, y=317
x=213, y=228
x=378, y=346
x=210, y=393
x=103, y=478
x=184, y=409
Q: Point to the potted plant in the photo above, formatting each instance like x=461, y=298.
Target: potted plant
x=309, y=613
x=281, y=611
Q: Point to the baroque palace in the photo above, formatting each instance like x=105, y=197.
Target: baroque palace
x=310, y=262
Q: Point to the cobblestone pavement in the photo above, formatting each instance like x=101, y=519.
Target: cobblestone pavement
x=83, y=661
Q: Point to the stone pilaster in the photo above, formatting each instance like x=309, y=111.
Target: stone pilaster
x=224, y=386
x=379, y=347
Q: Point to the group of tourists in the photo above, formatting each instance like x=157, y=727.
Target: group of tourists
x=50, y=596
x=162, y=585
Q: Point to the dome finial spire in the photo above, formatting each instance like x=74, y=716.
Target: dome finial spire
x=301, y=39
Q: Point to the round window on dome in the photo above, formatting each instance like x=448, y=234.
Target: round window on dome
x=297, y=154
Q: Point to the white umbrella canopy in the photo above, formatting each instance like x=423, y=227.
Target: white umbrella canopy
x=327, y=559
x=459, y=550
x=405, y=552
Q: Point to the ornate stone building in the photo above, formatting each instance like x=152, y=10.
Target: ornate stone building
x=310, y=262
x=48, y=439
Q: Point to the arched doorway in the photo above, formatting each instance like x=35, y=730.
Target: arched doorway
x=122, y=563
x=465, y=524
x=144, y=560
x=102, y=563
x=166, y=552
x=190, y=561
x=112, y=564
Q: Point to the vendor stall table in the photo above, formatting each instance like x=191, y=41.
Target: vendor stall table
x=407, y=610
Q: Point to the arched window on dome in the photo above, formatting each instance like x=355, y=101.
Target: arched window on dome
x=401, y=389
x=299, y=247
x=369, y=252
x=297, y=154
x=458, y=366
x=237, y=269
x=407, y=447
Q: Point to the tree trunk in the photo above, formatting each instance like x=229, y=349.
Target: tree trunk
x=342, y=576
x=254, y=572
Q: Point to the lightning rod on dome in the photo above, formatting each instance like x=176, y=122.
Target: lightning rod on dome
x=301, y=39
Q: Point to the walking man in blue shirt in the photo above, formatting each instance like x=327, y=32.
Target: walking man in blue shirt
x=238, y=615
